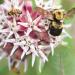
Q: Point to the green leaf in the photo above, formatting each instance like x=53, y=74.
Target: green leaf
x=1, y=1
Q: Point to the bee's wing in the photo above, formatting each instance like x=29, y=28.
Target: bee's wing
x=41, y=10
x=44, y=12
x=70, y=13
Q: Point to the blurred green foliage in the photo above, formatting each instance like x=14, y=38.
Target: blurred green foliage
x=1, y=1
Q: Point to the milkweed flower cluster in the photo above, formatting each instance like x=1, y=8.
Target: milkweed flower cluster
x=23, y=33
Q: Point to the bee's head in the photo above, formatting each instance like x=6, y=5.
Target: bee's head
x=58, y=14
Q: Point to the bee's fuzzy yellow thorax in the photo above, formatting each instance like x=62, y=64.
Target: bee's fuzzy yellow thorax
x=59, y=14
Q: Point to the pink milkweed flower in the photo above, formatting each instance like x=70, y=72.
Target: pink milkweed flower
x=7, y=5
x=18, y=42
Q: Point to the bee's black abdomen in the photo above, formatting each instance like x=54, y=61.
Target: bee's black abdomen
x=55, y=32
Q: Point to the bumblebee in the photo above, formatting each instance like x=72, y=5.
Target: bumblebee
x=56, y=25
x=14, y=12
x=56, y=18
